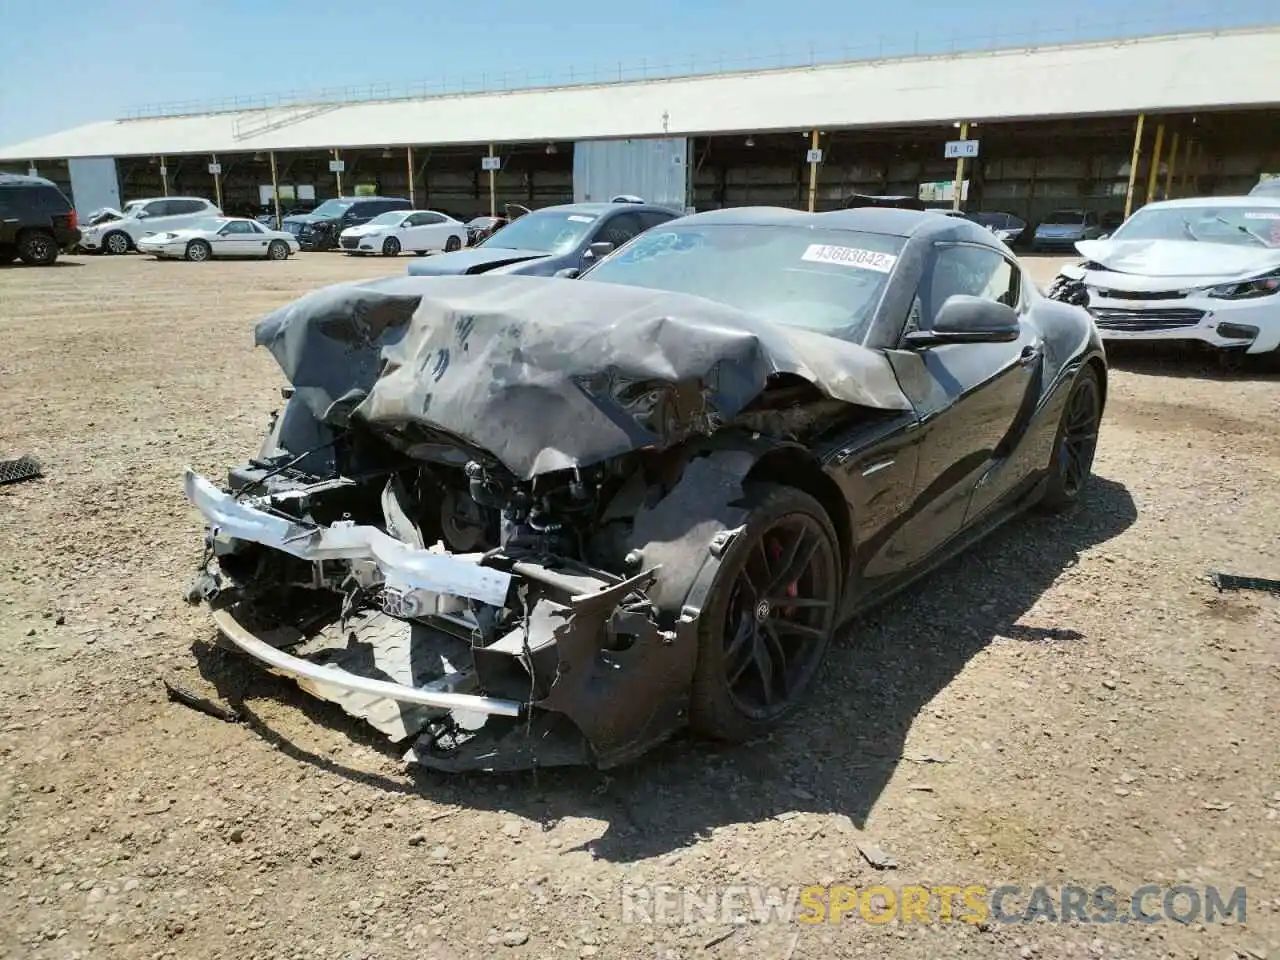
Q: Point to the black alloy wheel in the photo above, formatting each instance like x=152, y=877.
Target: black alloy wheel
x=1077, y=442
x=770, y=618
x=37, y=248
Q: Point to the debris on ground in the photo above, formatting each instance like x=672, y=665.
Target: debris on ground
x=1231, y=581
x=877, y=857
x=202, y=704
x=16, y=471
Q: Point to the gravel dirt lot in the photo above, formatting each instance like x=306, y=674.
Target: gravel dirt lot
x=1072, y=703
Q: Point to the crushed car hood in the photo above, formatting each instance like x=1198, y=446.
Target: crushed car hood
x=307, y=218
x=1193, y=262
x=475, y=260
x=546, y=374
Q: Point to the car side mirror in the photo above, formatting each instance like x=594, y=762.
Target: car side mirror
x=568, y=273
x=141, y=215
x=598, y=250
x=965, y=319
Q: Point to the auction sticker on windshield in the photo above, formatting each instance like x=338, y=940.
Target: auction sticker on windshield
x=850, y=257
x=576, y=218
x=1262, y=215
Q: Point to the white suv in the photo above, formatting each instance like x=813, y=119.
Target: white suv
x=152, y=215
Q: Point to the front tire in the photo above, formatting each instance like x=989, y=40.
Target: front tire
x=38, y=249
x=391, y=247
x=769, y=618
x=116, y=243
x=278, y=250
x=452, y=244
x=1076, y=442
x=198, y=251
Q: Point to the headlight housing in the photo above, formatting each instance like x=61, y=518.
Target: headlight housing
x=1264, y=286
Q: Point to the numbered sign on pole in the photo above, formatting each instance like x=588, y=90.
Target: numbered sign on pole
x=813, y=156
x=960, y=150
x=215, y=168
x=337, y=166
x=490, y=163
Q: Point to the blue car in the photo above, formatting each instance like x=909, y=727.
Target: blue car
x=546, y=241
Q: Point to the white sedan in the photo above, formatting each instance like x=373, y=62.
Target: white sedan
x=220, y=237
x=1204, y=268
x=418, y=230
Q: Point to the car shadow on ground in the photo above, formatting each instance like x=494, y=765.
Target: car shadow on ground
x=835, y=756
x=60, y=262
x=1192, y=361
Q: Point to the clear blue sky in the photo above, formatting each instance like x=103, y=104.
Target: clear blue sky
x=67, y=62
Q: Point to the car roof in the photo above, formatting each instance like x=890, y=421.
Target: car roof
x=1253, y=201
x=599, y=208
x=891, y=221
x=24, y=180
x=171, y=197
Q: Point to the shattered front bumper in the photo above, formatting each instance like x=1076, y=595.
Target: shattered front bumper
x=588, y=677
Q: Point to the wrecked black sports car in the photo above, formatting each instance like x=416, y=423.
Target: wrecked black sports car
x=524, y=521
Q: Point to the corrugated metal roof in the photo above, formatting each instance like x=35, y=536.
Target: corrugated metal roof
x=1177, y=72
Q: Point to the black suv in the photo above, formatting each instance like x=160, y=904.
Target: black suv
x=319, y=229
x=36, y=220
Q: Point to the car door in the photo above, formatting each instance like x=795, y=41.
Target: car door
x=971, y=399
x=239, y=239
x=155, y=218
x=419, y=231
x=437, y=228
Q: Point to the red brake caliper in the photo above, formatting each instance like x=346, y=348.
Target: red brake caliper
x=792, y=589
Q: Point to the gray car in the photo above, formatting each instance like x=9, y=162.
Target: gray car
x=1063, y=229
x=545, y=242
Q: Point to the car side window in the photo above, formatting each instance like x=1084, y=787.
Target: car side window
x=429, y=219
x=157, y=208
x=652, y=218
x=238, y=227
x=620, y=228
x=974, y=271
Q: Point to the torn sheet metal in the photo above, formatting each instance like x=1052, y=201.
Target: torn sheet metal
x=405, y=568
x=547, y=374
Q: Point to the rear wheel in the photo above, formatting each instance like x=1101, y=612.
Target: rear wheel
x=198, y=251
x=37, y=248
x=390, y=247
x=769, y=619
x=278, y=250
x=1076, y=443
x=452, y=244
x=116, y=243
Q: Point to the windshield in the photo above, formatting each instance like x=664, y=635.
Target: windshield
x=1246, y=226
x=211, y=224
x=1063, y=217
x=333, y=208
x=389, y=219
x=547, y=231
x=829, y=281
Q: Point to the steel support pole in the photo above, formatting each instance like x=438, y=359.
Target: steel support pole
x=1133, y=166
